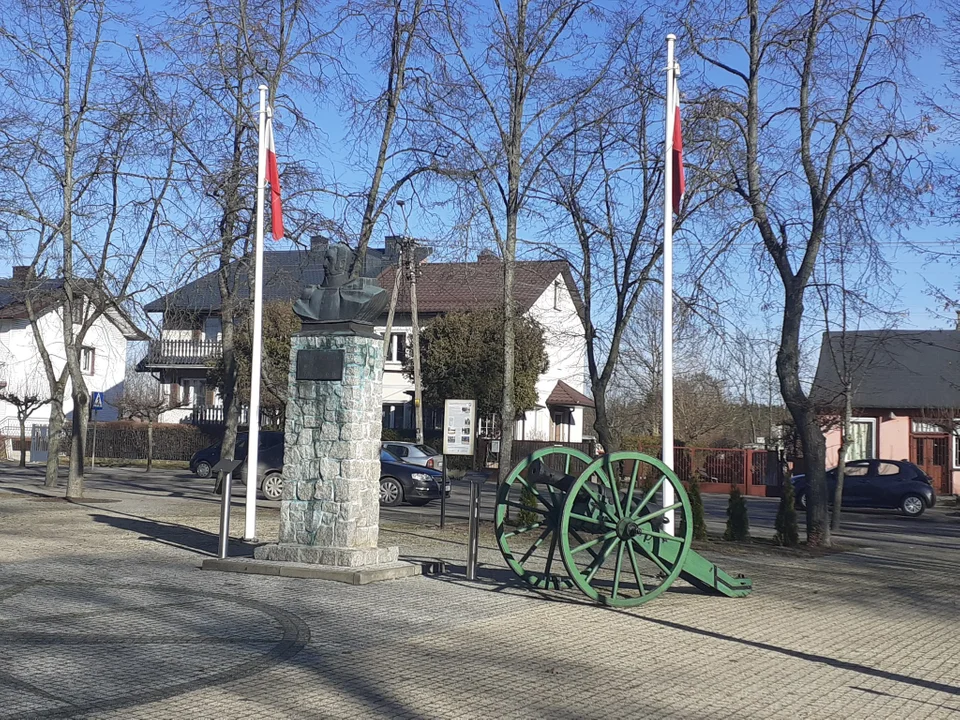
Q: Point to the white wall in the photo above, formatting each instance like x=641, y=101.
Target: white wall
x=21, y=365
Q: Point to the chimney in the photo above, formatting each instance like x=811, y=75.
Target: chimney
x=955, y=327
x=22, y=272
x=319, y=243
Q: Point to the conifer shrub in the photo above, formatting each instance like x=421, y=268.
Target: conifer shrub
x=787, y=533
x=738, y=524
x=696, y=507
x=529, y=500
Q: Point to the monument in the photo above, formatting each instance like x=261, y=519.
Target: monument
x=329, y=510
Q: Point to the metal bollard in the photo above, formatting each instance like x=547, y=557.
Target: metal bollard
x=225, y=517
x=473, y=541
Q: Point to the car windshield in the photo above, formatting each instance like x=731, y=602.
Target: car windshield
x=387, y=456
x=427, y=450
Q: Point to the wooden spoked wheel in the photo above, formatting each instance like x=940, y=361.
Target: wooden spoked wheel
x=612, y=534
x=528, y=514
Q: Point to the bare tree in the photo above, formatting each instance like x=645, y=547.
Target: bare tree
x=216, y=55
x=143, y=399
x=26, y=397
x=812, y=128
x=501, y=90
x=86, y=181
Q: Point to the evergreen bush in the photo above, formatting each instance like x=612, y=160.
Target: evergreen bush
x=738, y=524
x=528, y=499
x=787, y=532
x=696, y=507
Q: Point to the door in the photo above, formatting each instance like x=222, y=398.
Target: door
x=931, y=454
x=856, y=483
x=39, y=443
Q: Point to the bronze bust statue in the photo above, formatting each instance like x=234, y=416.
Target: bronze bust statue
x=338, y=299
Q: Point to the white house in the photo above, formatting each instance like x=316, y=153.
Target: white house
x=190, y=338
x=103, y=356
x=544, y=290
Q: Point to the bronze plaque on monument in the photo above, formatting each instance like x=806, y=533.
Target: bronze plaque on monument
x=320, y=365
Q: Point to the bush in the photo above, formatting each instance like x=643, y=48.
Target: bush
x=787, y=533
x=696, y=506
x=738, y=524
x=529, y=500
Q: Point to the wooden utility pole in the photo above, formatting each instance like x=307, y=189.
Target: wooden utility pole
x=410, y=247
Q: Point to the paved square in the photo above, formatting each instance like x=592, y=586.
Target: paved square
x=105, y=614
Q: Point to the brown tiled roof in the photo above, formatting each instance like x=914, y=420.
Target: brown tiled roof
x=565, y=395
x=452, y=287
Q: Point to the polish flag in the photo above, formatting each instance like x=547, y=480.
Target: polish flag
x=273, y=177
x=678, y=180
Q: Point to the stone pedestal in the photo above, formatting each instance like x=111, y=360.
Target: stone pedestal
x=330, y=511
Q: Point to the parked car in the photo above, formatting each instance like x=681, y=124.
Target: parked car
x=402, y=481
x=415, y=454
x=399, y=481
x=896, y=484
x=269, y=462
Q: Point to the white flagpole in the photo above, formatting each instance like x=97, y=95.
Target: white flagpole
x=667, y=430
x=253, y=436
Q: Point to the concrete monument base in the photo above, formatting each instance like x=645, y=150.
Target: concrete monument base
x=312, y=571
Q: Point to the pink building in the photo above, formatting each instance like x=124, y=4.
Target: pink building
x=905, y=390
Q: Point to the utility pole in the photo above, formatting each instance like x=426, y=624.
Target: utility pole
x=410, y=246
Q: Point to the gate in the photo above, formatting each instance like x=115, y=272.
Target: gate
x=40, y=443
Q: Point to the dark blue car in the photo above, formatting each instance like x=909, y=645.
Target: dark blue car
x=895, y=484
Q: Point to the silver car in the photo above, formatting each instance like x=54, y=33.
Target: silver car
x=414, y=454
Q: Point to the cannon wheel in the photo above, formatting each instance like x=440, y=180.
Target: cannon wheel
x=531, y=550
x=612, y=540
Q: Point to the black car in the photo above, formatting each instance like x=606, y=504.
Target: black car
x=269, y=461
x=894, y=484
x=401, y=481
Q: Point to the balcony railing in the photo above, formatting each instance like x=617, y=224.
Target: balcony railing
x=182, y=352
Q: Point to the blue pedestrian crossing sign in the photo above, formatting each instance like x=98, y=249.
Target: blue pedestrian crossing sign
x=97, y=401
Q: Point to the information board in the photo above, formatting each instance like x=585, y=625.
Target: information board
x=459, y=426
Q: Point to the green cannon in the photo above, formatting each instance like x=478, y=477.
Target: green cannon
x=566, y=520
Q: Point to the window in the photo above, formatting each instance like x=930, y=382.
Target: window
x=398, y=348
x=399, y=450
x=556, y=294
x=211, y=329
x=87, y=360
x=856, y=469
x=921, y=426
x=862, y=434
x=76, y=311
x=193, y=392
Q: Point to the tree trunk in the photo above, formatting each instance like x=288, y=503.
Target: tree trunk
x=842, y=459
x=23, y=442
x=52, y=477
x=149, y=445
x=231, y=403
x=804, y=417
x=602, y=423
x=78, y=442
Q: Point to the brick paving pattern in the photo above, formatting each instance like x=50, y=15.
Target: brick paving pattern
x=105, y=614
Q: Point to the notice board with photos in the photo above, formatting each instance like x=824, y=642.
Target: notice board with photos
x=459, y=426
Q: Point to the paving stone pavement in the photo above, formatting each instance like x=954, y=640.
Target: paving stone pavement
x=105, y=614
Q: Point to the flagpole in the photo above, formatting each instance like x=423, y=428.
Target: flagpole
x=253, y=436
x=667, y=430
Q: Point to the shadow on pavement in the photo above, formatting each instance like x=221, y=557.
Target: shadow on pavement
x=179, y=536
x=809, y=657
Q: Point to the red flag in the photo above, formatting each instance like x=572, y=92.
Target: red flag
x=678, y=180
x=273, y=177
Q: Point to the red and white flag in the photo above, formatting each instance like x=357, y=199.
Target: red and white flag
x=678, y=180
x=273, y=177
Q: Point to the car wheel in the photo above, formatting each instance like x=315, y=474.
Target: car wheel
x=391, y=493
x=204, y=469
x=272, y=487
x=912, y=506
x=800, y=501
x=419, y=503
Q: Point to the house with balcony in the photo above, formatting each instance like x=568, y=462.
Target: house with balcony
x=190, y=339
x=103, y=354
